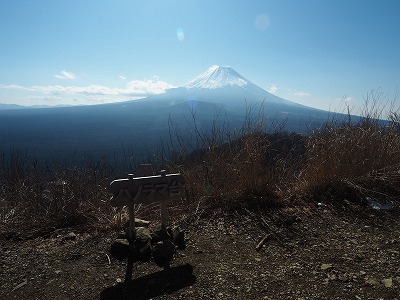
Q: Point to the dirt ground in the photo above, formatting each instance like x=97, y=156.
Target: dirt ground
x=341, y=252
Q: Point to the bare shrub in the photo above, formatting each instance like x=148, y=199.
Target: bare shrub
x=233, y=166
x=59, y=196
x=352, y=156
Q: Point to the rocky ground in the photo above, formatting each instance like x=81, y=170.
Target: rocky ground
x=332, y=252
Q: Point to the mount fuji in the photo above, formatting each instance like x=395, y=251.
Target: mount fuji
x=227, y=79
x=98, y=130
x=223, y=86
x=218, y=77
x=232, y=85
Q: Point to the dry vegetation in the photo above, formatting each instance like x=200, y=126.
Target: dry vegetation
x=42, y=197
x=341, y=161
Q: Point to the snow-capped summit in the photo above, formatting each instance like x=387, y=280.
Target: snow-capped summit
x=217, y=77
x=225, y=85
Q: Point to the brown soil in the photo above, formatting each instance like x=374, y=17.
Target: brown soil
x=309, y=253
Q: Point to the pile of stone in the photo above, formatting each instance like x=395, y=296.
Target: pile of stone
x=159, y=245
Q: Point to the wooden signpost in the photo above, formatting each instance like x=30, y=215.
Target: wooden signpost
x=135, y=190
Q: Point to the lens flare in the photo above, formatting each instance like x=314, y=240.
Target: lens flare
x=180, y=35
x=262, y=22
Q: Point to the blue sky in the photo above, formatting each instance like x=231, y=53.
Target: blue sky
x=315, y=52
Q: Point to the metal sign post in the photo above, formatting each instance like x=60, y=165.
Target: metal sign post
x=131, y=191
x=163, y=207
x=132, y=229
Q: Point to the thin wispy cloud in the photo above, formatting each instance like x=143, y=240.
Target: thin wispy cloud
x=65, y=75
x=134, y=89
x=148, y=86
x=273, y=89
x=15, y=87
x=345, y=99
x=301, y=94
x=121, y=77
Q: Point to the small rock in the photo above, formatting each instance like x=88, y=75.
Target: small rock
x=371, y=282
x=387, y=282
x=57, y=271
x=326, y=266
x=142, y=245
x=69, y=237
x=343, y=277
x=163, y=253
x=331, y=277
x=160, y=234
x=139, y=223
x=178, y=237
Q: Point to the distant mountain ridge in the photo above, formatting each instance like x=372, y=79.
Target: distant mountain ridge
x=218, y=97
x=4, y=106
x=11, y=106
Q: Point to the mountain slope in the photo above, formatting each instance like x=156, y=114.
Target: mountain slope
x=222, y=86
x=93, y=131
x=233, y=85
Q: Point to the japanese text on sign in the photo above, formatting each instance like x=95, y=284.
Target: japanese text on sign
x=146, y=189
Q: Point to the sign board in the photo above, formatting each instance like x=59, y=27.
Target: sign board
x=134, y=190
x=131, y=190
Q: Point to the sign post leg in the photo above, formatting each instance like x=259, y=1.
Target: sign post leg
x=163, y=207
x=132, y=237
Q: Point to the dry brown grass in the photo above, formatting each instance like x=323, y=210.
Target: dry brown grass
x=343, y=160
x=349, y=161
x=350, y=152
x=351, y=156
x=59, y=196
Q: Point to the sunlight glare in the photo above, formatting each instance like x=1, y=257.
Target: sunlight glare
x=262, y=22
x=179, y=34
